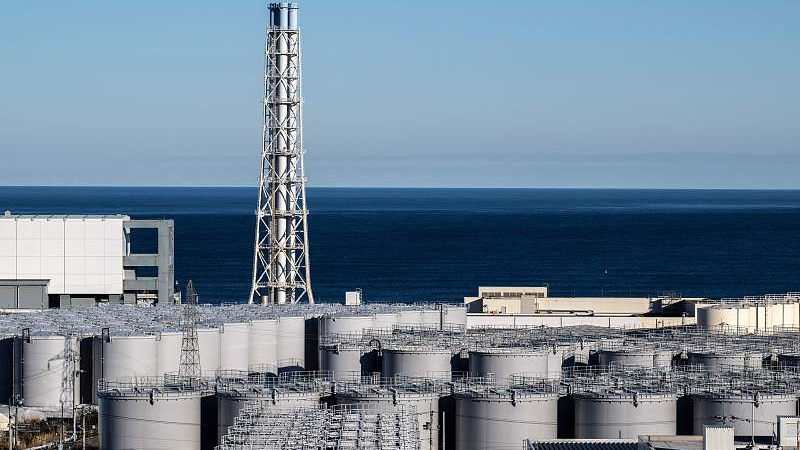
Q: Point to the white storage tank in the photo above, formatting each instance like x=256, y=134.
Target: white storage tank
x=454, y=315
x=263, y=348
x=502, y=362
x=208, y=340
x=719, y=316
x=623, y=414
x=148, y=416
x=633, y=356
x=127, y=356
x=337, y=323
x=492, y=418
x=710, y=407
x=411, y=317
x=291, y=343
x=423, y=396
x=234, y=346
x=385, y=321
x=557, y=354
x=50, y=363
x=719, y=360
x=231, y=397
x=346, y=358
x=168, y=349
x=416, y=361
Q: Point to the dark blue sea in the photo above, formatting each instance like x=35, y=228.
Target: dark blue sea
x=409, y=245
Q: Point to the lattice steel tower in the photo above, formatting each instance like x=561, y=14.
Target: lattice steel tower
x=280, y=263
x=189, y=367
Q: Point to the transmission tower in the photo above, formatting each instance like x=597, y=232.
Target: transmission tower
x=190, y=351
x=280, y=261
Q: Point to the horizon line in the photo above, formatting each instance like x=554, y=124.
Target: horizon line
x=152, y=186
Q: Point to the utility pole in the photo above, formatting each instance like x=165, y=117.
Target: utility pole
x=10, y=433
x=83, y=427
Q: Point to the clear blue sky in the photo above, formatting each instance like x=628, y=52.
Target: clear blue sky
x=529, y=93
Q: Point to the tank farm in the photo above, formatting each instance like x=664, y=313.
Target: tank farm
x=388, y=376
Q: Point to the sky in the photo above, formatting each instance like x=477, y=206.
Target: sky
x=518, y=93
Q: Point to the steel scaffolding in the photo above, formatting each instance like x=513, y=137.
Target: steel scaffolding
x=280, y=261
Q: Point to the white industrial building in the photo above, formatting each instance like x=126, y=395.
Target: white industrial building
x=79, y=260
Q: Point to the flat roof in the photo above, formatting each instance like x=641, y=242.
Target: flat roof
x=63, y=216
x=16, y=282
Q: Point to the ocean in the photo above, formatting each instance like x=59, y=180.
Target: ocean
x=415, y=245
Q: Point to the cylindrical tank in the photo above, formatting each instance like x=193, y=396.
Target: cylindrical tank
x=431, y=317
x=344, y=324
x=128, y=356
x=624, y=415
x=346, y=358
x=384, y=321
x=49, y=368
x=263, y=348
x=454, y=315
x=663, y=357
x=738, y=408
x=503, y=418
x=425, y=403
x=502, y=362
x=639, y=357
x=168, y=351
x=231, y=398
x=156, y=418
x=10, y=360
x=291, y=343
x=208, y=345
x=557, y=354
x=716, y=362
x=234, y=346
x=717, y=316
x=416, y=361
x=789, y=359
x=411, y=317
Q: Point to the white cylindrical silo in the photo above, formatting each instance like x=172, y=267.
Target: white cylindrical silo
x=633, y=356
x=343, y=358
x=291, y=342
x=725, y=359
x=454, y=315
x=209, y=349
x=234, y=346
x=232, y=397
x=501, y=363
x=609, y=414
x=128, y=356
x=503, y=418
x=160, y=418
x=423, y=396
x=385, y=321
x=49, y=372
x=344, y=324
x=717, y=316
x=168, y=348
x=263, y=349
x=712, y=408
x=417, y=361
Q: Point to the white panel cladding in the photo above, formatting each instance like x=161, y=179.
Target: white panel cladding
x=789, y=431
x=8, y=248
x=718, y=437
x=78, y=254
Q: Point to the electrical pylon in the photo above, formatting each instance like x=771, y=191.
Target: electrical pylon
x=281, y=272
x=190, y=350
